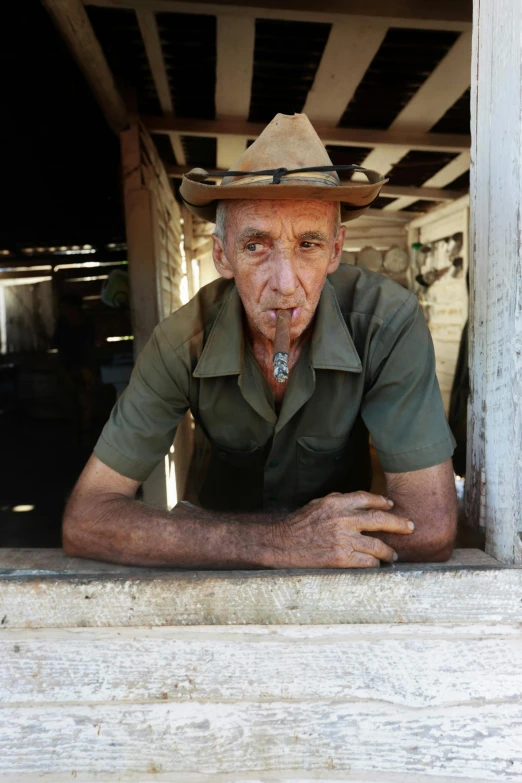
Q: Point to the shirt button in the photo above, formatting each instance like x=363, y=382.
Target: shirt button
x=274, y=463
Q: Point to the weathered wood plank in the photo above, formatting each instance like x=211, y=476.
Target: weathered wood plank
x=495, y=421
x=134, y=597
x=281, y=776
x=481, y=739
x=41, y=561
x=413, y=666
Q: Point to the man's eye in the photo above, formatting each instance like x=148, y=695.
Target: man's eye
x=307, y=245
x=252, y=247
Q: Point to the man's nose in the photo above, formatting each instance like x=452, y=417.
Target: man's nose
x=284, y=274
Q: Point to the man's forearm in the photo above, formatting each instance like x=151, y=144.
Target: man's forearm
x=121, y=530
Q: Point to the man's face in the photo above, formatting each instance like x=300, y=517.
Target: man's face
x=279, y=254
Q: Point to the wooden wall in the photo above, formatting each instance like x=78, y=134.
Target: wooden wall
x=408, y=674
x=27, y=315
x=156, y=269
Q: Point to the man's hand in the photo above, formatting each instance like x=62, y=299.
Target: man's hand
x=330, y=532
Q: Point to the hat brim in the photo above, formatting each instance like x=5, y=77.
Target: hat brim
x=355, y=197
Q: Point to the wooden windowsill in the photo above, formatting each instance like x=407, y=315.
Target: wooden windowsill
x=42, y=588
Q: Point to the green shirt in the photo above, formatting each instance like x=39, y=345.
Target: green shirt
x=369, y=366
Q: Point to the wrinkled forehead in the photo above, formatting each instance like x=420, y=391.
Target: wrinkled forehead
x=272, y=216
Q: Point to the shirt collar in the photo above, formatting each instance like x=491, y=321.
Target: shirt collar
x=332, y=347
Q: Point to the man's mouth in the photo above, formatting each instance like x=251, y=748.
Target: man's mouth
x=295, y=312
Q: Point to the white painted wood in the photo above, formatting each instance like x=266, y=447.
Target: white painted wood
x=210, y=700
x=443, y=87
x=439, y=666
x=347, y=137
x=483, y=739
x=283, y=776
x=346, y=57
x=71, y=19
x=495, y=422
x=410, y=593
x=234, y=67
x=443, y=15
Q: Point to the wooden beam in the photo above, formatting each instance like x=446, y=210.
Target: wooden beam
x=347, y=55
x=345, y=137
x=234, y=67
x=443, y=177
x=71, y=19
x=151, y=40
x=494, y=479
x=188, y=238
x=442, y=15
x=443, y=87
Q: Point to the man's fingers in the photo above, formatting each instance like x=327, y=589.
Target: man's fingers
x=355, y=501
x=360, y=560
x=375, y=547
x=383, y=521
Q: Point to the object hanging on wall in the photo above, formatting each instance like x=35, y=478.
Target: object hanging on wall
x=370, y=258
x=115, y=290
x=396, y=260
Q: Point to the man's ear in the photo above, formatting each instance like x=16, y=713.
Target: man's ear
x=220, y=258
x=338, y=250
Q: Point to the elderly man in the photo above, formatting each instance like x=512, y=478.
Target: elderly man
x=286, y=483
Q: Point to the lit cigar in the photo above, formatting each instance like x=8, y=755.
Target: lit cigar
x=282, y=345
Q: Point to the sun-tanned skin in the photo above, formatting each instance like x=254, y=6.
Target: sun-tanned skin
x=279, y=254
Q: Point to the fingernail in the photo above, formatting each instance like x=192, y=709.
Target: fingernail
x=411, y=525
x=391, y=502
x=395, y=557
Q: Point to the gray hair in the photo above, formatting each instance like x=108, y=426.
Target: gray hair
x=221, y=220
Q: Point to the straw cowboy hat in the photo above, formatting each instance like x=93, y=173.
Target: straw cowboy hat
x=287, y=161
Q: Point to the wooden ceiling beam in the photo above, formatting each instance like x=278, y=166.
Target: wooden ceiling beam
x=234, y=68
x=445, y=176
x=443, y=87
x=440, y=15
x=348, y=53
x=347, y=137
x=152, y=43
x=71, y=19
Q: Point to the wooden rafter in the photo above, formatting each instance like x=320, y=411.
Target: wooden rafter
x=445, y=85
x=346, y=137
x=234, y=67
x=442, y=15
x=448, y=174
x=152, y=43
x=347, y=55
x=71, y=19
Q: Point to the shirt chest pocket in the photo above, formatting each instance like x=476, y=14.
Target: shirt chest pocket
x=324, y=465
x=234, y=478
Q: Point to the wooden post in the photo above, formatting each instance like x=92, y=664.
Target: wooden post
x=495, y=410
x=142, y=254
x=188, y=239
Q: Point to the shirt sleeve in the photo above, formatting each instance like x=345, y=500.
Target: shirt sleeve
x=403, y=407
x=142, y=425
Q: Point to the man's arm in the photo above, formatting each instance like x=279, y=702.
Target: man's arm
x=103, y=521
x=427, y=497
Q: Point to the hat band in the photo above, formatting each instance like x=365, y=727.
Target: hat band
x=308, y=177
x=277, y=174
